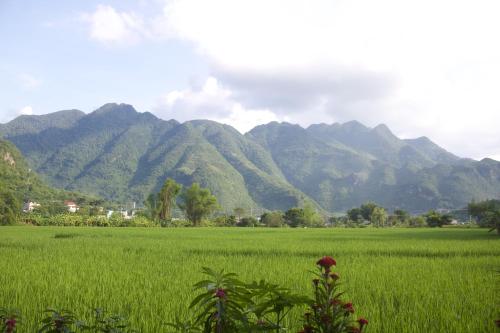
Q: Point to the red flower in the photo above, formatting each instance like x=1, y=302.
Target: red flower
x=348, y=307
x=362, y=322
x=220, y=293
x=307, y=329
x=10, y=324
x=326, y=262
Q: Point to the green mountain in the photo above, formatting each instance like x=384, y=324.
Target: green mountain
x=120, y=154
x=17, y=178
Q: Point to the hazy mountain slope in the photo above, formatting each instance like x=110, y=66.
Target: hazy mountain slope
x=36, y=124
x=382, y=144
x=17, y=178
x=344, y=165
x=123, y=155
x=313, y=166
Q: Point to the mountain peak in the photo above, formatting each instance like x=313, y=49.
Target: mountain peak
x=112, y=108
x=353, y=126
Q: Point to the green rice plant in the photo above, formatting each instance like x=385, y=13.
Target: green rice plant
x=425, y=280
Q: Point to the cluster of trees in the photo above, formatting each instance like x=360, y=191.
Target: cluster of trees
x=306, y=216
x=9, y=207
x=196, y=202
x=372, y=214
x=486, y=213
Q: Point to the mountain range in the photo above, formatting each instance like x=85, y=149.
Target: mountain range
x=120, y=154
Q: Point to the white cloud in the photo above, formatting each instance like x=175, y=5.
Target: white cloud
x=107, y=25
x=29, y=81
x=423, y=67
x=27, y=111
x=211, y=101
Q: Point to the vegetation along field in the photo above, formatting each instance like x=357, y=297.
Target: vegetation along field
x=402, y=280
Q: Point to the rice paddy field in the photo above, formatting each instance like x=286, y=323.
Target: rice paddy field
x=401, y=280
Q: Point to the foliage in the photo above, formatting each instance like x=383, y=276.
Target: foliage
x=366, y=210
x=248, y=222
x=65, y=321
x=354, y=214
x=487, y=213
x=228, y=305
x=167, y=197
x=273, y=219
x=9, y=321
x=378, y=217
x=197, y=203
x=76, y=220
x=328, y=313
x=294, y=217
x=9, y=208
x=225, y=221
x=239, y=212
x=435, y=219
x=311, y=217
x=399, y=218
x=418, y=221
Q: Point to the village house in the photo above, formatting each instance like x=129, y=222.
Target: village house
x=72, y=207
x=30, y=206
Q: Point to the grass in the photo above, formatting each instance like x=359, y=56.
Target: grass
x=401, y=280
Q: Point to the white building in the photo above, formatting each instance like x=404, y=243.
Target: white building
x=72, y=207
x=30, y=206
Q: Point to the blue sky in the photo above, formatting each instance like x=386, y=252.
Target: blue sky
x=50, y=63
x=423, y=68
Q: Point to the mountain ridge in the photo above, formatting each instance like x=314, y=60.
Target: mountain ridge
x=122, y=154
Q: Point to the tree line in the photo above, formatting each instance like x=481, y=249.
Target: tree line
x=198, y=205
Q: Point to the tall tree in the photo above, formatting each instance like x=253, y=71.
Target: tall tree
x=436, y=219
x=167, y=196
x=9, y=207
x=311, y=217
x=487, y=213
x=366, y=210
x=273, y=219
x=378, y=217
x=294, y=217
x=239, y=212
x=197, y=203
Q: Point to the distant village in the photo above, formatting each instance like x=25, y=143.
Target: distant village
x=72, y=207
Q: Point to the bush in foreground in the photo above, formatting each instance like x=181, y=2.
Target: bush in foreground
x=229, y=305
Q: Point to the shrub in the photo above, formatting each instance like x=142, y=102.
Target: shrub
x=328, y=312
x=9, y=321
x=229, y=305
x=248, y=222
x=273, y=219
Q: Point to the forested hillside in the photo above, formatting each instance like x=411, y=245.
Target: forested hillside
x=123, y=155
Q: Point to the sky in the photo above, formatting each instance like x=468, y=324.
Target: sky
x=424, y=68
